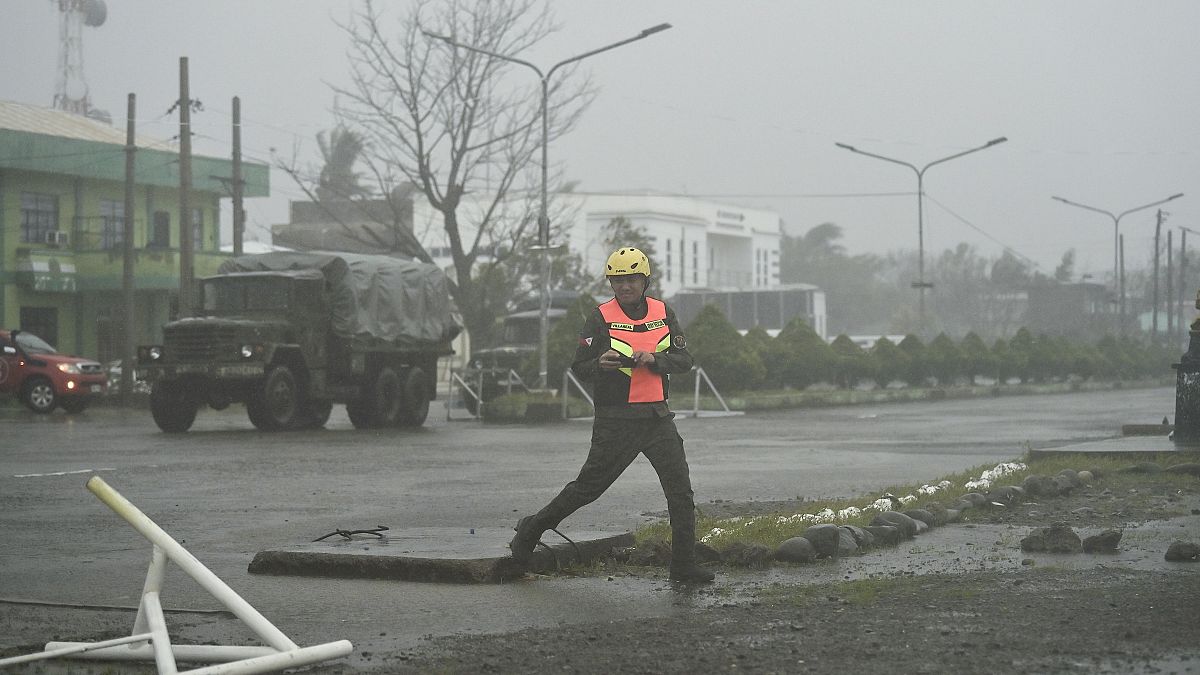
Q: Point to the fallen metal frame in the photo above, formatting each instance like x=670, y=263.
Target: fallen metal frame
x=150, y=640
x=696, y=411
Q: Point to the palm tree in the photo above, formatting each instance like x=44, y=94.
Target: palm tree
x=340, y=149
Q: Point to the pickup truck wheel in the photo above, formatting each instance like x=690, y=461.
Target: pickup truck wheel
x=74, y=404
x=386, y=398
x=38, y=394
x=415, y=399
x=316, y=414
x=280, y=399
x=172, y=406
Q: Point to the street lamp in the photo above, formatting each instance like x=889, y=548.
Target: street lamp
x=920, y=283
x=543, y=214
x=1118, y=287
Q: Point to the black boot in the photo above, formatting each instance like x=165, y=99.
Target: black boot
x=683, y=543
x=524, y=541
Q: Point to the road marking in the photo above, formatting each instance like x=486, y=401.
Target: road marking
x=61, y=473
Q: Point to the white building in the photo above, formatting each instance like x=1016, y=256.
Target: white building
x=698, y=243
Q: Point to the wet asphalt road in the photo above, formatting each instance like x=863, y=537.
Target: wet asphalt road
x=227, y=491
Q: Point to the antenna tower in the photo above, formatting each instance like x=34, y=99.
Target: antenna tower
x=71, y=90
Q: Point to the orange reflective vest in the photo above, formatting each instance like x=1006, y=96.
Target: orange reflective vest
x=648, y=334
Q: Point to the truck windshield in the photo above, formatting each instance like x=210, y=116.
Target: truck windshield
x=33, y=344
x=522, y=331
x=232, y=296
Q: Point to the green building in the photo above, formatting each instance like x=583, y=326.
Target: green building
x=62, y=210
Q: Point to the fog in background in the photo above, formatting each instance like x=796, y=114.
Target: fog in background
x=742, y=103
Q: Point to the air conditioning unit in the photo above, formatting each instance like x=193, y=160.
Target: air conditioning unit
x=58, y=238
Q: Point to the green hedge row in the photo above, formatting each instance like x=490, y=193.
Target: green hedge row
x=797, y=358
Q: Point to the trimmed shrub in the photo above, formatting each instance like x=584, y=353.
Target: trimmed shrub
x=890, y=363
x=917, y=370
x=770, y=351
x=717, y=347
x=943, y=360
x=976, y=358
x=808, y=359
x=851, y=363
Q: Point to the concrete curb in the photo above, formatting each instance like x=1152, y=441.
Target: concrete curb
x=439, y=555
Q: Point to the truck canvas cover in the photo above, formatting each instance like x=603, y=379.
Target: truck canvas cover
x=372, y=298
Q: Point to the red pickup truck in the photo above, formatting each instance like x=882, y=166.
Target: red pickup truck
x=42, y=378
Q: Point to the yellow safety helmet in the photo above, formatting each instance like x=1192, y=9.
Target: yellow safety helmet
x=627, y=260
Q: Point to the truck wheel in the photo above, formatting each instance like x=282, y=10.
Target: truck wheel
x=360, y=415
x=38, y=394
x=316, y=414
x=74, y=405
x=415, y=399
x=172, y=407
x=279, y=400
x=468, y=401
x=257, y=413
x=386, y=398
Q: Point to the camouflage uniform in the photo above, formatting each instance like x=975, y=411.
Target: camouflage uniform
x=621, y=431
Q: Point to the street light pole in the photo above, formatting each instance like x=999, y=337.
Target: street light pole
x=1118, y=287
x=920, y=283
x=543, y=245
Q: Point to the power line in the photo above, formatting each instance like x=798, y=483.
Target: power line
x=789, y=195
x=980, y=230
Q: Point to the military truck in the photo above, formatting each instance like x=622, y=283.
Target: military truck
x=511, y=364
x=291, y=334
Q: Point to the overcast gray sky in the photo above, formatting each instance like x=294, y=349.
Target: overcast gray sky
x=1100, y=101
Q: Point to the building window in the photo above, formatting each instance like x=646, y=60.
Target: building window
x=42, y=322
x=39, y=216
x=197, y=229
x=112, y=224
x=668, y=265
x=161, y=236
x=695, y=262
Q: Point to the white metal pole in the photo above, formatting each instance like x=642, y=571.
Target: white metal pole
x=57, y=649
x=163, y=657
x=143, y=652
x=189, y=564
x=154, y=579
x=280, y=661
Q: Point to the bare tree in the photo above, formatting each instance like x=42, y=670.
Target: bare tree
x=459, y=126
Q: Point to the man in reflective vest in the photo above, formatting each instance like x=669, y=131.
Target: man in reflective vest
x=628, y=347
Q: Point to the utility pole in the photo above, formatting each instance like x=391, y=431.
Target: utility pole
x=1170, y=293
x=1121, y=283
x=1182, y=294
x=129, y=344
x=239, y=212
x=186, y=253
x=1154, y=302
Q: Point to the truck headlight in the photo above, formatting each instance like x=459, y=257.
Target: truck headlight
x=155, y=353
x=247, y=351
x=69, y=368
